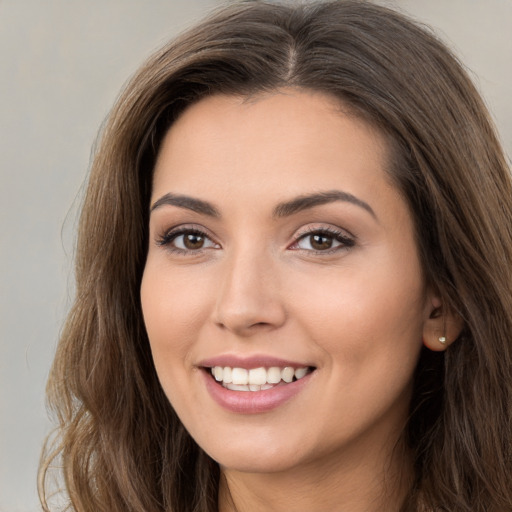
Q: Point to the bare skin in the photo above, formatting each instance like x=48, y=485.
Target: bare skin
x=241, y=268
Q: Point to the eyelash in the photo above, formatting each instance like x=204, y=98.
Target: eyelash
x=346, y=241
x=170, y=236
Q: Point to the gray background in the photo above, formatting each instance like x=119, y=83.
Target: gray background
x=62, y=63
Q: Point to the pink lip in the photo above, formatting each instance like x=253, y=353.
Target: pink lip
x=253, y=402
x=255, y=361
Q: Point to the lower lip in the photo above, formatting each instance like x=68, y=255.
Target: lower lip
x=253, y=402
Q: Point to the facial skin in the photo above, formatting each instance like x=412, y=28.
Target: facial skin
x=254, y=285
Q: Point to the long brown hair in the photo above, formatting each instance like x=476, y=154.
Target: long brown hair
x=119, y=443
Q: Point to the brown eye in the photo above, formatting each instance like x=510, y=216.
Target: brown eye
x=187, y=240
x=193, y=241
x=320, y=242
x=323, y=241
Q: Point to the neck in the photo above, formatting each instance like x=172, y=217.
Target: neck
x=377, y=483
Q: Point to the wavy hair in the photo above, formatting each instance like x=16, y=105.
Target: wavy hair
x=119, y=445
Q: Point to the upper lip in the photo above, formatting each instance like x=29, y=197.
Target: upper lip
x=249, y=362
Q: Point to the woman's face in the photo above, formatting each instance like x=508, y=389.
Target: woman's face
x=280, y=250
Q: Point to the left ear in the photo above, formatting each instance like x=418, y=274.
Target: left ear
x=442, y=327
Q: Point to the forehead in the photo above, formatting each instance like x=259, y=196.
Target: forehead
x=285, y=143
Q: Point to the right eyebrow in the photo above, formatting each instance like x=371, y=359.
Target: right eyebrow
x=187, y=202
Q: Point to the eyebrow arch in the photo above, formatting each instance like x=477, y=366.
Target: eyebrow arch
x=187, y=202
x=309, y=201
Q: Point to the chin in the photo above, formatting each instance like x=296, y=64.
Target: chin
x=257, y=462
x=252, y=455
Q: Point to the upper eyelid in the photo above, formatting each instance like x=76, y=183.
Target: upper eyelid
x=343, y=236
x=166, y=236
x=184, y=227
x=323, y=228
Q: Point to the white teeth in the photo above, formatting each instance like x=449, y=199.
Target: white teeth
x=236, y=387
x=273, y=375
x=256, y=379
x=228, y=378
x=240, y=376
x=257, y=376
x=299, y=373
x=287, y=374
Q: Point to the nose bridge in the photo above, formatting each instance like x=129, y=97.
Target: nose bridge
x=249, y=295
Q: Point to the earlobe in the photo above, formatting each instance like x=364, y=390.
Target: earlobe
x=442, y=328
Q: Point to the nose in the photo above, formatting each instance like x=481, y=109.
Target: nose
x=249, y=298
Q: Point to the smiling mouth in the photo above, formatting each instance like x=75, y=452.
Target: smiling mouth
x=257, y=379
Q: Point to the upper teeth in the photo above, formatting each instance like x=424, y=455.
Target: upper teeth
x=263, y=378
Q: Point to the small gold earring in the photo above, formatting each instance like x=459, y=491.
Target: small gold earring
x=442, y=340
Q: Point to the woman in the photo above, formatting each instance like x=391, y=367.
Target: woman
x=293, y=278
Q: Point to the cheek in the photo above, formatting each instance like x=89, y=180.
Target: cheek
x=171, y=311
x=368, y=326
x=173, y=308
x=365, y=313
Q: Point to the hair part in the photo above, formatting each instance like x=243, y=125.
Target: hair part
x=120, y=444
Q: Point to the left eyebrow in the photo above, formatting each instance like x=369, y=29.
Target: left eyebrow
x=305, y=202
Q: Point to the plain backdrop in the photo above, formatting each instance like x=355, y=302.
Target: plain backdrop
x=62, y=64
